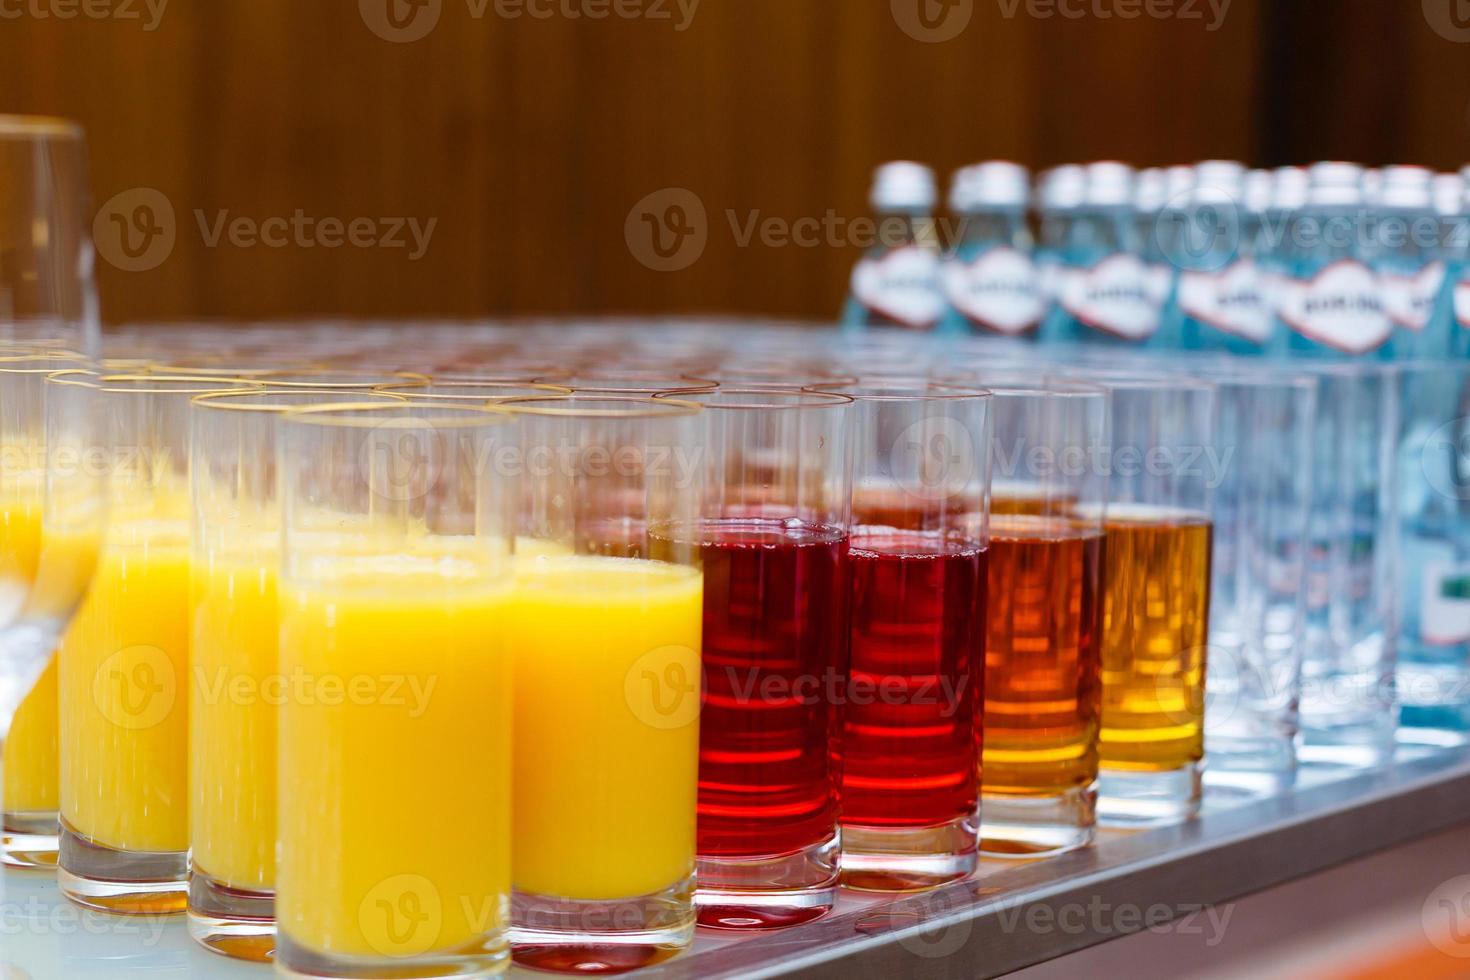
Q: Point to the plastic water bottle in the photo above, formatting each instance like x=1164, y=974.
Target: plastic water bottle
x=1102, y=285
x=1059, y=194
x=1456, y=301
x=1218, y=304
x=1287, y=196
x=1327, y=298
x=1404, y=238
x=896, y=283
x=990, y=276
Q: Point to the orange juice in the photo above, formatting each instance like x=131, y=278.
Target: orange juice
x=123, y=709
x=235, y=691
x=20, y=545
x=394, y=760
x=31, y=765
x=607, y=725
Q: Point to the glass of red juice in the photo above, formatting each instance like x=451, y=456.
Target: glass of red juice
x=773, y=537
x=912, y=713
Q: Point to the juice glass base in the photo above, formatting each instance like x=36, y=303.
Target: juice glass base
x=601, y=936
x=233, y=922
x=769, y=891
x=485, y=958
x=30, y=841
x=896, y=859
x=1128, y=798
x=96, y=876
x=1037, y=826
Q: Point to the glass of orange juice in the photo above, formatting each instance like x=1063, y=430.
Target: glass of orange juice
x=235, y=684
x=605, y=630
x=394, y=760
x=123, y=662
x=51, y=512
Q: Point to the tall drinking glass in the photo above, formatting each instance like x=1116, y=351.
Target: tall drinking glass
x=236, y=683
x=52, y=510
x=124, y=662
x=1156, y=597
x=1349, y=705
x=606, y=637
x=1433, y=463
x=1261, y=505
x=911, y=721
x=393, y=777
x=47, y=290
x=1043, y=643
x=773, y=532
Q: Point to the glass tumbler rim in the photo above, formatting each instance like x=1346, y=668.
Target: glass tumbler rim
x=904, y=389
x=220, y=400
x=359, y=415
x=171, y=384
x=761, y=399
x=636, y=407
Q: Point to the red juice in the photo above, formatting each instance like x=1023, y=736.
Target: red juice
x=911, y=731
x=775, y=668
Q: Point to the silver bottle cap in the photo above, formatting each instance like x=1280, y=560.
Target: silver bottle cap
x=1061, y=188
x=1150, y=190
x=1000, y=184
x=1289, y=188
x=903, y=186
x=1335, y=183
x=1109, y=184
x=1448, y=192
x=1405, y=186
x=1257, y=193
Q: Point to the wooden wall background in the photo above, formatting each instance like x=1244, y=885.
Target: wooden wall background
x=530, y=139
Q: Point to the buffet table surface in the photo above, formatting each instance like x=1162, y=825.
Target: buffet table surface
x=1011, y=914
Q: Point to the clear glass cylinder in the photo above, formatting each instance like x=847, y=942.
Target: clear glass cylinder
x=772, y=529
x=606, y=635
x=394, y=759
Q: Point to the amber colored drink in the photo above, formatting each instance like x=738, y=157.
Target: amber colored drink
x=1155, y=623
x=1041, y=657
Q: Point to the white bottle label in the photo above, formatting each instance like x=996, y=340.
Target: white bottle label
x=902, y=285
x=1462, y=303
x=1112, y=296
x=1409, y=300
x=1444, y=608
x=999, y=290
x=1231, y=300
x=1338, y=307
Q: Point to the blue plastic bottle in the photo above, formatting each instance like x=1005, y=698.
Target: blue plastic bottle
x=990, y=277
x=1327, y=299
x=1218, y=303
x=896, y=283
x=1406, y=252
x=1101, y=285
